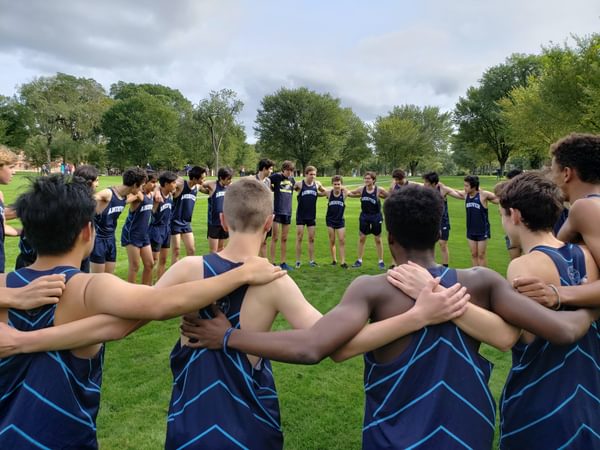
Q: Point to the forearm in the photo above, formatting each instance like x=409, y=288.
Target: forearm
x=485, y=326
x=9, y=298
x=11, y=231
x=584, y=295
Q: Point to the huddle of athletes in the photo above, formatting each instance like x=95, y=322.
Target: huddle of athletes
x=419, y=325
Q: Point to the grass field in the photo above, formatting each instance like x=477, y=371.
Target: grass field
x=321, y=406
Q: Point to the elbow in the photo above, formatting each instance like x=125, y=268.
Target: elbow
x=567, y=335
x=309, y=356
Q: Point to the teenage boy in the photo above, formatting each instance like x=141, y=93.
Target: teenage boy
x=110, y=204
x=7, y=164
x=398, y=180
x=184, y=201
x=135, y=235
x=370, y=219
x=50, y=400
x=263, y=172
x=216, y=234
x=160, y=225
x=282, y=184
x=306, y=213
x=334, y=219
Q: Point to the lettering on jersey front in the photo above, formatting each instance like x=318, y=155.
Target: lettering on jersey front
x=220, y=194
x=146, y=207
x=189, y=197
x=369, y=199
x=165, y=206
x=309, y=192
x=336, y=203
x=116, y=209
x=473, y=205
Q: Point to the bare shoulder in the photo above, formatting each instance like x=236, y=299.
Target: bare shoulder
x=372, y=287
x=479, y=281
x=533, y=264
x=190, y=268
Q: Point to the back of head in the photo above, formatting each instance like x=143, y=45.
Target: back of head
x=53, y=211
x=7, y=157
x=87, y=172
x=538, y=199
x=225, y=173
x=166, y=177
x=513, y=173
x=473, y=181
x=246, y=205
x=196, y=172
x=432, y=178
x=580, y=152
x=134, y=176
x=413, y=216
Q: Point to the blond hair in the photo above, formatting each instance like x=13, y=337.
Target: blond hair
x=246, y=205
x=7, y=156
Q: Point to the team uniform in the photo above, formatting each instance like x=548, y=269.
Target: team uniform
x=48, y=400
x=160, y=225
x=267, y=182
x=336, y=206
x=105, y=249
x=551, y=396
x=478, y=224
x=283, y=188
x=445, y=224
x=219, y=400
x=433, y=395
x=2, y=236
x=370, y=212
x=215, y=208
x=136, y=229
x=306, y=212
x=183, y=209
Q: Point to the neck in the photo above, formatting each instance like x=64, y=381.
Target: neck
x=424, y=258
x=530, y=239
x=123, y=190
x=73, y=259
x=164, y=192
x=242, y=245
x=580, y=190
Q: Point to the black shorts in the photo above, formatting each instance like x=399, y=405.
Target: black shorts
x=217, y=232
x=179, y=227
x=478, y=237
x=335, y=225
x=283, y=219
x=105, y=250
x=308, y=222
x=444, y=232
x=367, y=226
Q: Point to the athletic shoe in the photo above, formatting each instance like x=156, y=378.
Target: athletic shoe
x=334, y=263
x=312, y=264
x=344, y=266
x=284, y=266
x=357, y=264
x=298, y=264
x=381, y=265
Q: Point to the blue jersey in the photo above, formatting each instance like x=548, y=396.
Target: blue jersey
x=552, y=394
x=183, y=205
x=215, y=205
x=161, y=218
x=106, y=221
x=282, y=193
x=50, y=399
x=2, y=255
x=445, y=218
x=307, y=202
x=136, y=227
x=335, y=209
x=370, y=206
x=434, y=395
x=478, y=224
x=219, y=400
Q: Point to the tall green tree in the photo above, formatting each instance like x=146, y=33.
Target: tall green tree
x=351, y=146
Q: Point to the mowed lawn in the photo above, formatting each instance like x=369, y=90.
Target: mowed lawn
x=322, y=405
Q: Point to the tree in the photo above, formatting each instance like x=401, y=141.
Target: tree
x=16, y=122
x=299, y=124
x=352, y=145
x=218, y=114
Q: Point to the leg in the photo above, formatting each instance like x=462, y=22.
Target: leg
x=213, y=245
x=162, y=262
x=474, y=254
x=285, y=229
x=378, y=247
x=188, y=242
x=276, y=231
x=96, y=267
x=221, y=244
x=175, y=245
x=133, y=255
x=482, y=253
x=331, y=235
x=341, y=232
x=444, y=251
x=299, y=239
x=362, y=238
x=148, y=262
x=311, y=242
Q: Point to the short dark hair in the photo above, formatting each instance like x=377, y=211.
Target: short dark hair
x=151, y=176
x=539, y=200
x=265, y=163
x=167, y=177
x=580, y=152
x=431, y=177
x=473, y=181
x=196, y=172
x=87, y=172
x=224, y=173
x=413, y=216
x=53, y=212
x=134, y=176
x=371, y=174
x=513, y=173
x=337, y=178
x=399, y=174
x=287, y=165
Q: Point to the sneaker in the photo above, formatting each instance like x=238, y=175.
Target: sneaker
x=357, y=264
x=312, y=264
x=284, y=266
x=344, y=266
x=298, y=264
x=334, y=263
x=381, y=265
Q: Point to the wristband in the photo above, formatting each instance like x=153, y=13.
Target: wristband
x=555, y=289
x=226, y=337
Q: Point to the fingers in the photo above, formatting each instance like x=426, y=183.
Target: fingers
x=432, y=284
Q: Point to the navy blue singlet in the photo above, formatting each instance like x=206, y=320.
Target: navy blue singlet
x=551, y=398
x=478, y=225
x=335, y=210
x=48, y=400
x=183, y=205
x=434, y=395
x=370, y=206
x=161, y=218
x=307, y=202
x=215, y=205
x=106, y=221
x=2, y=252
x=283, y=188
x=445, y=217
x=136, y=227
x=219, y=400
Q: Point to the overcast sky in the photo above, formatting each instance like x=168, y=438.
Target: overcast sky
x=372, y=55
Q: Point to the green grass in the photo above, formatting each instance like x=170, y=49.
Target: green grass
x=321, y=406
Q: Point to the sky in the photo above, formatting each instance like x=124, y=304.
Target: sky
x=371, y=55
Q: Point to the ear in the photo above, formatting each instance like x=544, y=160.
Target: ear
x=268, y=223
x=515, y=216
x=568, y=174
x=223, y=221
x=87, y=232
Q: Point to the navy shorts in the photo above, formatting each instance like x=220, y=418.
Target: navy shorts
x=444, y=232
x=179, y=227
x=2, y=257
x=216, y=232
x=160, y=237
x=105, y=250
x=478, y=237
x=308, y=222
x=335, y=225
x=370, y=225
x=283, y=219
x=136, y=241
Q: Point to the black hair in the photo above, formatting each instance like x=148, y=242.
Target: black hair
x=134, y=176
x=413, y=216
x=87, y=172
x=151, y=175
x=196, y=172
x=167, y=177
x=53, y=212
x=473, y=181
x=431, y=177
x=224, y=173
x=580, y=152
x=265, y=163
x=398, y=174
x=513, y=173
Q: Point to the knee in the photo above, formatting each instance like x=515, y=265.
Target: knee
x=342, y=241
x=311, y=239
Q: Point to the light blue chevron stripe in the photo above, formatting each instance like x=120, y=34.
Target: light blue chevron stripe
x=25, y=436
x=579, y=431
x=436, y=431
x=35, y=322
x=218, y=428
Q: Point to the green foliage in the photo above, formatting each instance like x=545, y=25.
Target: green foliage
x=351, y=146
x=16, y=122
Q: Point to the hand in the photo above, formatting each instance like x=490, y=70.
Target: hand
x=44, y=290
x=409, y=278
x=158, y=198
x=260, y=271
x=9, y=338
x=537, y=290
x=437, y=307
x=206, y=333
